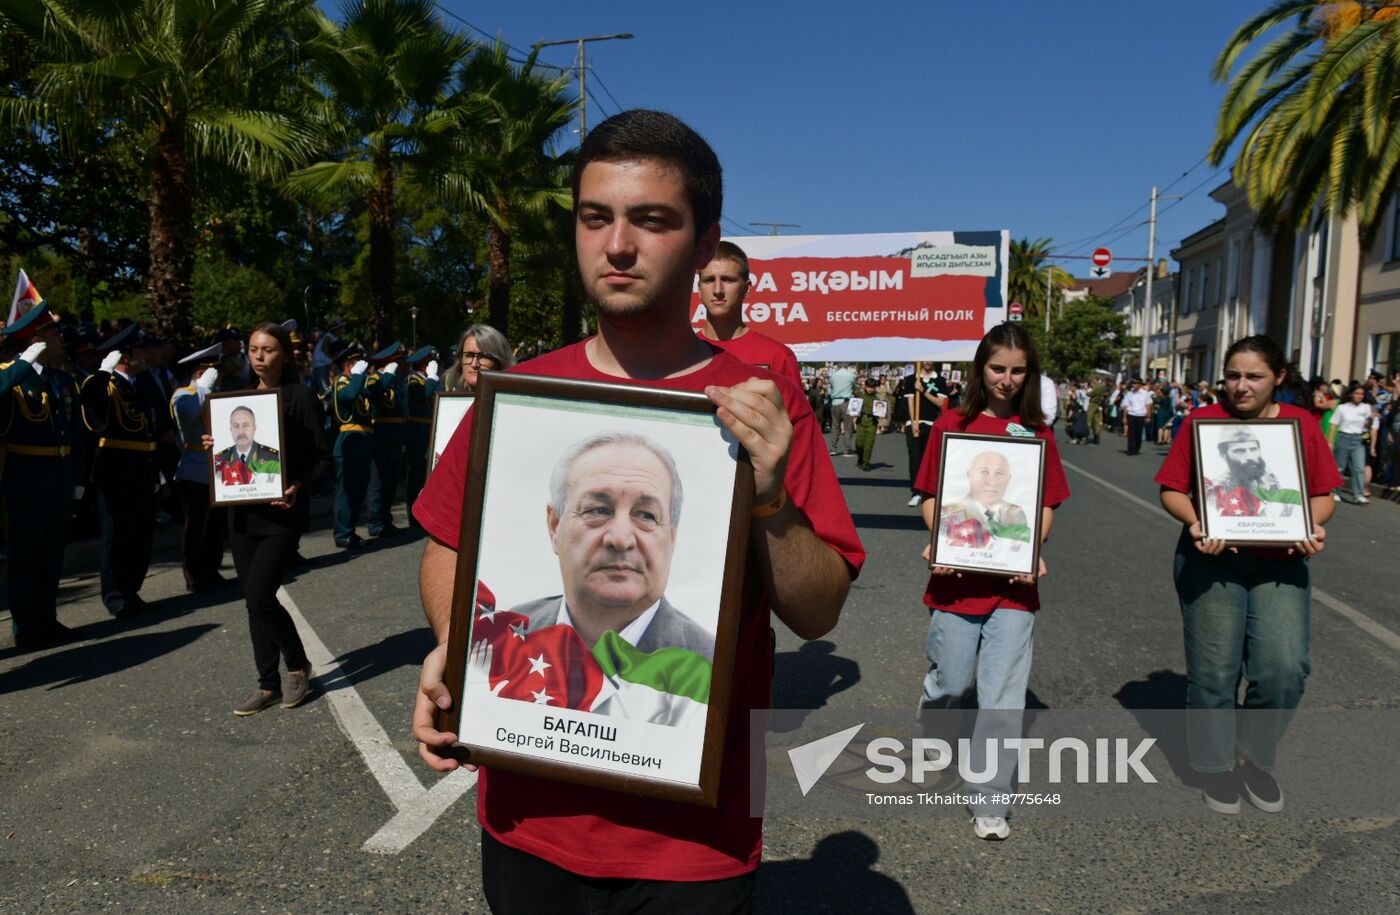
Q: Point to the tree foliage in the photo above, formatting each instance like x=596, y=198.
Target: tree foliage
x=1030, y=272
x=1090, y=335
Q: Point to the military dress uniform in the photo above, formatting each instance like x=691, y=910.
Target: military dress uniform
x=390, y=417
x=40, y=427
x=206, y=526
x=126, y=475
x=353, y=404
x=421, y=389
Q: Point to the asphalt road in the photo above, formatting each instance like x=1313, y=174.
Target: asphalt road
x=127, y=784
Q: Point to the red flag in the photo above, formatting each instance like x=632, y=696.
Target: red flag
x=550, y=666
x=968, y=533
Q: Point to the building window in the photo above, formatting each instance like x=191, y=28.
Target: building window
x=1187, y=290
x=1215, y=297
x=1205, y=284
x=1387, y=353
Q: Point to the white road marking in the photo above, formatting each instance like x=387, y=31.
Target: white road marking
x=417, y=807
x=1341, y=608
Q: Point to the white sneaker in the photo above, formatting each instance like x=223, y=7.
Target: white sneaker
x=991, y=827
x=915, y=501
x=1336, y=498
x=1362, y=500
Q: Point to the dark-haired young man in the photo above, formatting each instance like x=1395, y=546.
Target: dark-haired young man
x=724, y=282
x=647, y=196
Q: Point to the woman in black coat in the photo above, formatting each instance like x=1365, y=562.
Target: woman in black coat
x=263, y=538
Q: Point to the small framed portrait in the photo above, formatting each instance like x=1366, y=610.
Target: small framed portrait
x=245, y=466
x=598, y=585
x=1250, y=486
x=880, y=408
x=990, y=492
x=854, y=405
x=449, y=409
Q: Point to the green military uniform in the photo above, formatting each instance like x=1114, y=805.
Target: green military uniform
x=419, y=394
x=353, y=403
x=1098, y=402
x=40, y=428
x=390, y=417
x=867, y=426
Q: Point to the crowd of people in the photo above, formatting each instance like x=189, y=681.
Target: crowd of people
x=126, y=418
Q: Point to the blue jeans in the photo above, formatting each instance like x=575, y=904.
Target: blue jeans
x=1351, y=460
x=1244, y=617
x=995, y=651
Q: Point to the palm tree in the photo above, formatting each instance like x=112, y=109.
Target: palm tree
x=504, y=169
x=198, y=84
x=1029, y=274
x=1318, y=109
x=385, y=94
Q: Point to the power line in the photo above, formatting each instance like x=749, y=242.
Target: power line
x=523, y=55
x=599, y=80
x=743, y=230
x=1083, y=241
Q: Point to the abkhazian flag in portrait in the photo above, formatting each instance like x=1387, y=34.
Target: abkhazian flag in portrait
x=26, y=297
x=552, y=666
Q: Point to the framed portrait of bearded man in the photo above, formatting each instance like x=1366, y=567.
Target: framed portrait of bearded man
x=1249, y=481
x=599, y=580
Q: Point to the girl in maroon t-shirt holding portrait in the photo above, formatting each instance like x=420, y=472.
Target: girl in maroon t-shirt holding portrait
x=1245, y=611
x=981, y=626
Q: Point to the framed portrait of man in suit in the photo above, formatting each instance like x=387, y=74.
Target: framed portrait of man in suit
x=449, y=409
x=245, y=465
x=990, y=491
x=599, y=580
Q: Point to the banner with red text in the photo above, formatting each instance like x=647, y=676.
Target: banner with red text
x=898, y=296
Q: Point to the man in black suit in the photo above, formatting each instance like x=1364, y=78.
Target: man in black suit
x=615, y=504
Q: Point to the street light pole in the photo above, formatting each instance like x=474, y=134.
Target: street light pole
x=1151, y=270
x=413, y=313
x=582, y=68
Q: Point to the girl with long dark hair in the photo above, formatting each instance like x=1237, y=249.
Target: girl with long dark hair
x=1245, y=612
x=263, y=538
x=982, y=626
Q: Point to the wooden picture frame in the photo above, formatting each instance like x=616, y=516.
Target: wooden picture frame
x=449, y=409
x=646, y=736
x=1008, y=542
x=1249, y=483
x=251, y=481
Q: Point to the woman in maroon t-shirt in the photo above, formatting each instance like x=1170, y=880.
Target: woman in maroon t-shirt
x=1245, y=612
x=982, y=626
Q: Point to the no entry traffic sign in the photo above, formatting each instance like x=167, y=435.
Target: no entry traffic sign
x=1102, y=257
x=1015, y=310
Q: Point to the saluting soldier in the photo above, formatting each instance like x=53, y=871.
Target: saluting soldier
x=353, y=402
x=39, y=416
x=124, y=468
x=389, y=420
x=422, y=386
x=206, y=527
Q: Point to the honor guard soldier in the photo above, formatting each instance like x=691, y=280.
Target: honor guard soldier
x=124, y=468
x=422, y=386
x=40, y=427
x=206, y=527
x=389, y=420
x=353, y=401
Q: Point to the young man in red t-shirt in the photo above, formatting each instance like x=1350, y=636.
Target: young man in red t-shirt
x=647, y=197
x=724, y=282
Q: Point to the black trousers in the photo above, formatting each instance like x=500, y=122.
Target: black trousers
x=1135, y=424
x=384, y=483
x=126, y=512
x=39, y=491
x=262, y=564
x=916, y=447
x=416, y=458
x=206, y=529
x=518, y=883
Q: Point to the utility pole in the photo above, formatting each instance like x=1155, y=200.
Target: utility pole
x=775, y=226
x=1151, y=271
x=1049, y=288
x=582, y=69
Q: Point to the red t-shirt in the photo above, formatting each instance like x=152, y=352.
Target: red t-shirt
x=1178, y=471
x=600, y=833
x=973, y=593
x=764, y=352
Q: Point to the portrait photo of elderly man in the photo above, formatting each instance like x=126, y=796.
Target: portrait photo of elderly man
x=984, y=514
x=246, y=460
x=613, y=518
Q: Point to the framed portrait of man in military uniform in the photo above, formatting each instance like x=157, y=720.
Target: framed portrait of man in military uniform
x=990, y=492
x=1249, y=484
x=449, y=409
x=245, y=465
x=599, y=580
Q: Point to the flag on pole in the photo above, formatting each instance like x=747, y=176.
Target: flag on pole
x=26, y=297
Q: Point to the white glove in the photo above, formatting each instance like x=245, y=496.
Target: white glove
x=390, y=369
x=207, y=380
x=359, y=367
x=78, y=493
x=35, y=350
x=431, y=371
x=109, y=362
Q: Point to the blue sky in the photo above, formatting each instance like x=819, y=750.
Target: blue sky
x=1050, y=118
